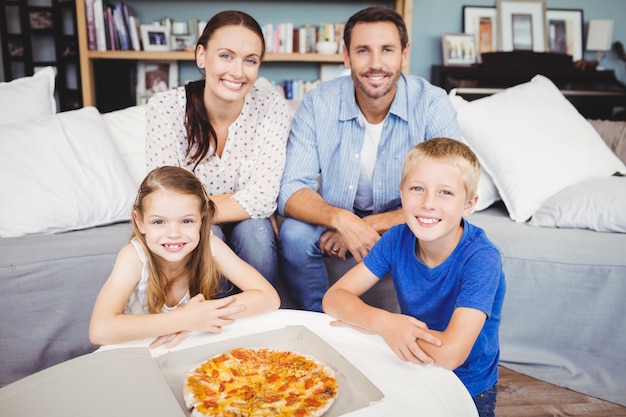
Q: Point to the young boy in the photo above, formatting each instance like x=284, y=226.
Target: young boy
x=447, y=274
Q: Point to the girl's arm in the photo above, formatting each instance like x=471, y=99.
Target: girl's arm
x=258, y=295
x=399, y=331
x=110, y=325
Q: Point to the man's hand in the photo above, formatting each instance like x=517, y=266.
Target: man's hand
x=352, y=234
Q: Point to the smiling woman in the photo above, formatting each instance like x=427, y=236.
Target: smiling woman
x=230, y=133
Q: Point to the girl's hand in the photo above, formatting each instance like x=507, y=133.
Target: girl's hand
x=401, y=333
x=171, y=339
x=210, y=315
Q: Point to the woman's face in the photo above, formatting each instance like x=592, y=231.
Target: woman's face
x=231, y=61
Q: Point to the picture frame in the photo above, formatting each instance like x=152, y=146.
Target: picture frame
x=154, y=77
x=41, y=19
x=482, y=22
x=183, y=42
x=565, y=32
x=522, y=25
x=155, y=38
x=459, y=49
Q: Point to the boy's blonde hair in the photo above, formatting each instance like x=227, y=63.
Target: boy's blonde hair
x=450, y=151
x=201, y=269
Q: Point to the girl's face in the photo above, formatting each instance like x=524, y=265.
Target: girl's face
x=171, y=224
x=434, y=201
x=231, y=60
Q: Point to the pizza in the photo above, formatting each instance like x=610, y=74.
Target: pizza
x=260, y=382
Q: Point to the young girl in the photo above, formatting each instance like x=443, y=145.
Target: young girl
x=165, y=280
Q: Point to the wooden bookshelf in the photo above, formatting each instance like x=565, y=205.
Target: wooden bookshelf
x=88, y=57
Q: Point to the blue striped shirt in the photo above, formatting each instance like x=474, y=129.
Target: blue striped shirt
x=324, y=146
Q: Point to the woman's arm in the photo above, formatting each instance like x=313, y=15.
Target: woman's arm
x=163, y=120
x=258, y=295
x=260, y=181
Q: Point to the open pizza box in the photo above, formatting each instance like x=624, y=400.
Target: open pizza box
x=130, y=382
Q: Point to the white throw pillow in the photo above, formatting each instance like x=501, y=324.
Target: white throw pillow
x=596, y=204
x=487, y=191
x=61, y=173
x=28, y=97
x=533, y=143
x=128, y=130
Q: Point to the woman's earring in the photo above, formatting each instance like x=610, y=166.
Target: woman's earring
x=200, y=65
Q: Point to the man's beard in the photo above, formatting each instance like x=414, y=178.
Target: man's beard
x=362, y=88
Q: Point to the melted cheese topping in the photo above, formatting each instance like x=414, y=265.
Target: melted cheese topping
x=261, y=382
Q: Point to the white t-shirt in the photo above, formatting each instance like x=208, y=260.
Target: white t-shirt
x=364, y=199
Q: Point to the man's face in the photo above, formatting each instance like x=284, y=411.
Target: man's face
x=375, y=58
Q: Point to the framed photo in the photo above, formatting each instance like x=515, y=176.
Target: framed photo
x=481, y=21
x=154, y=77
x=40, y=19
x=522, y=25
x=155, y=38
x=459, y=49
x=183, y=42
x=15, y=47
x=565, y=32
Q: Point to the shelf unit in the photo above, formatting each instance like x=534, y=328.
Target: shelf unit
x=38, y=35
x=88, y=57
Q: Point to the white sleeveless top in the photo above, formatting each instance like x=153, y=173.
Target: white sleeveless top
x=137, y=303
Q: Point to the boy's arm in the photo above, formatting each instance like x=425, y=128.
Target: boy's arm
x=400, y=332
x=458, y=338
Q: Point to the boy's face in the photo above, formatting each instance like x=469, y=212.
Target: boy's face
x=434, y=200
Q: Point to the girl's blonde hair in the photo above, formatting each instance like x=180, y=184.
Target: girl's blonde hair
x=201, y=268
x=447, y=150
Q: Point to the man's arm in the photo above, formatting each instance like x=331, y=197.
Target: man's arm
x=347, y=231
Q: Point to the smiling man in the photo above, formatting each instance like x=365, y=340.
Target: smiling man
x=339, y=191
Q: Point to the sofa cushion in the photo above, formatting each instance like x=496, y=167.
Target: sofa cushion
x=28, y=97
x=49, y=286
x=487, y=191
x=533, y=143
x=597, y=204
x=128, y=130
x=61, y=173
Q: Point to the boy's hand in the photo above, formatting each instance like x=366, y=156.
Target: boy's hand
x=401, y=333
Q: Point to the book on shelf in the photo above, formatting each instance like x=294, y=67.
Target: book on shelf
x=120, y=27
x=101, y=36
x=91, y=25
x=135, y=32
x=111, y=26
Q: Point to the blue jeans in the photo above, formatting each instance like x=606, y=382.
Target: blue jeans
x=486, y=402
x=302, y=263
x=253, y=240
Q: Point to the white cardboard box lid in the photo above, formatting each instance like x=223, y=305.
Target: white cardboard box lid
x=357, y=396
x=130, y=382
x=117, y=382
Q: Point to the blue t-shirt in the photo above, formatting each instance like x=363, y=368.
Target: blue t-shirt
x=471, y=277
